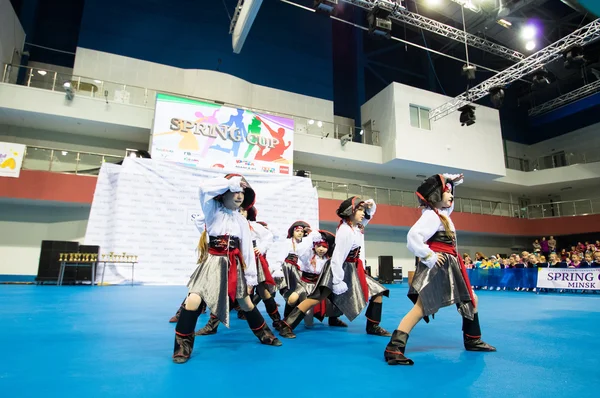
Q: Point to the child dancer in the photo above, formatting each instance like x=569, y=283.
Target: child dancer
x=294, y=244
x=312, y=262
x=440, y=278
x=344, y=275
x=262, y=239
x=226, y=265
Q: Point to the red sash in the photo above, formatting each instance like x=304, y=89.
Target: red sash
x=294, y=263
x=440, y=247
x=361, y=275
x=232, y=254
x=262, y=262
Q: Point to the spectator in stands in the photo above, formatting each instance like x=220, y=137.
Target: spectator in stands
x=545, y=246
x=467, y=260
x=564, y=255
x=537, y=247
x=554, y=261
x=552, y=244
x=575, y=261
x=543, y=261
x=596, y=259
x=588, y=260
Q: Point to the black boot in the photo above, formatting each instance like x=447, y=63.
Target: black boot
x=184, y=335
x=394, y=351
x=175, y=317
x=287, y=310
x=472, y=336
x=260, y=329
x=290, y=323
x=273, y=312
x=210, y=328
x=337, y=322
x=256, y=299
x=373, y=318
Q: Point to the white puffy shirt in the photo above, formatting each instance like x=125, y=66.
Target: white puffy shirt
x=221, y=221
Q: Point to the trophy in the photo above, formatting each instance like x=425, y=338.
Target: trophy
x=70, y=257
x=60, y=257
x=103, y=257
x=111, y=257
x=135, y=258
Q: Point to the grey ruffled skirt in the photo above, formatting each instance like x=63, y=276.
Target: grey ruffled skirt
x=352, y=302
x=291, y=276
x=210, y=281
x=440, y=287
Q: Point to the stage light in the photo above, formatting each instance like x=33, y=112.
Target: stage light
x=325, y=6
x=540, y=79
x=528, y=32
x=467, y=115
x=469, y=71
x=380, y=24
x=311, y=121
x=530, y=45
x=574, y=58
x=497, y=96
x=303, y=173
x=504, y=23
x=42, y=72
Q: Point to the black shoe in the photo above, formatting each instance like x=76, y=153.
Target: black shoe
x=377, y=330
x=267, y=337
x=337, y=322
x=211, y=327
x=394, y=351
x=476, y=344
x=241, y=315
x=290, y=323
x=184, y=345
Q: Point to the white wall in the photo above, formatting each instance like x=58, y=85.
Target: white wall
x=477, y=148
x=24, y=226
x=206, y=84
x=12, y=35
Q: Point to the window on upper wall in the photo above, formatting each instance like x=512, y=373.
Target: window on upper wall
x=419, y=117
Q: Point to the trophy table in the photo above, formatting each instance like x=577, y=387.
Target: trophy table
x=118, y=260
x=76, y=260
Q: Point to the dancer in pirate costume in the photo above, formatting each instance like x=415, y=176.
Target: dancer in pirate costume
x=226, y=266
x=344, y=275
x=262, y=239
x=311, y=263
x=440, y=278
x=294, y=244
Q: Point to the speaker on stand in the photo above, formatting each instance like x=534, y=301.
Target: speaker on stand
x=386, y=269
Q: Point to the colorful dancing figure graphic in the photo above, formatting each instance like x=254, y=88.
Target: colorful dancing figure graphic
x=253, y=129
x=238, y=120
x=211, y=120
x=275, y=153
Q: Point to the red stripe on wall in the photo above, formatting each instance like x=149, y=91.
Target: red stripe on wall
x=70, y=188
x=44, y=185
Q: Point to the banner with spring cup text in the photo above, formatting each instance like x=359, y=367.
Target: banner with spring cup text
x=208, y=135
x=569, y=278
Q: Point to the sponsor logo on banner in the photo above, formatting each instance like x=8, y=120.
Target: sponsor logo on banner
x=268, y=169
x=11, y=159
x=569, y=278
x=203, y=134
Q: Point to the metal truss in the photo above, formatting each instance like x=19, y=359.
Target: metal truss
x=400, y=14
x=564, y=99
x=236, y=14
x=581, y=37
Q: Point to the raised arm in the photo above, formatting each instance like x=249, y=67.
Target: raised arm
x=370, y=209
x=305, y=253
x=214, y=187
x=419, y=234
x=457, y=179
x=343, y=244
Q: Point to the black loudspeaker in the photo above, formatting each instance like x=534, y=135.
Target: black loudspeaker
x=386, y=269
x=49, y=264
x=398, y=274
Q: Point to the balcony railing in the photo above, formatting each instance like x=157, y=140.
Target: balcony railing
x=133, y=95
x=89, y=163
x=560, y=159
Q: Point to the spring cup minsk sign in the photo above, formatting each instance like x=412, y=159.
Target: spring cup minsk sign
x=203, y=134
x=569, y=278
